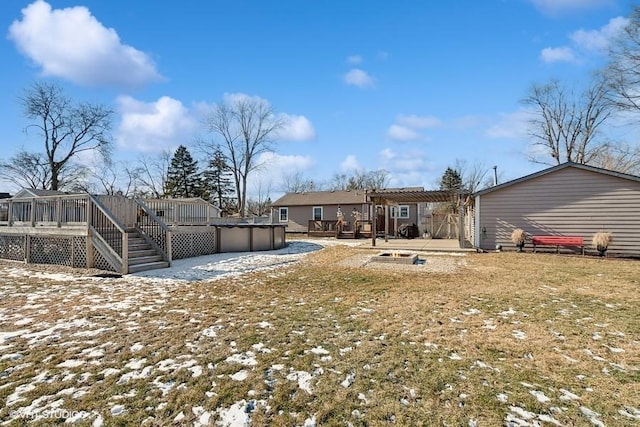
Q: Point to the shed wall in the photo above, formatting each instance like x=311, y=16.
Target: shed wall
x=569, y=201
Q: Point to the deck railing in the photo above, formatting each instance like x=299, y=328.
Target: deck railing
x=109, y=236
x=183, y=211
x=154, y=228
x=56, y=211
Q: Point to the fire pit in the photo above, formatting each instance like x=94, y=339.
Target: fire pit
x=395, y=258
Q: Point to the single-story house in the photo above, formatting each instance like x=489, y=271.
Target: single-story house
x=299, y=211
x=569, y=199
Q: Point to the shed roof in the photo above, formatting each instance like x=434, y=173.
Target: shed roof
x=316, y=198
x=35, y=192
x=557, y=168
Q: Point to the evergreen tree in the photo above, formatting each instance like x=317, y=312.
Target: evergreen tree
x=451, y=180
x=218, y=180
x=183, y=178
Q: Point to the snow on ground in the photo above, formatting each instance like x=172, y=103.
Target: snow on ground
x=97, y=305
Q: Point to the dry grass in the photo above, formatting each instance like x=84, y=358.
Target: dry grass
x=503, y=337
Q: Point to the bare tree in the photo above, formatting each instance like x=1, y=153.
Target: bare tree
x=247, y=127
x=27, y=170
x=623, y=71
x=262, y=203
x=359, y=180
x=31, y=170
x=475, y=176
x=111, y=178
x=338, y=182
x=151, y=174
x=67, y=129
x=564, y=127
x=295, y=182
x=621, y=158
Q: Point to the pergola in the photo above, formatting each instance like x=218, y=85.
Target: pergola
x=393, y=197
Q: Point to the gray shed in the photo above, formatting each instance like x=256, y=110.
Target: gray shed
x=566, y=200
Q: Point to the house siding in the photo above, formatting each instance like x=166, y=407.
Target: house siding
x=299, y=216
x=569, y=201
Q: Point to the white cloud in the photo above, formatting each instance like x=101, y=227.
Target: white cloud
x=598, y=41
x=418, y=122
x=354, y=59
x=402, y=133
x=557, y=7
x=286, y=163
x=72, y=44
x=359, y=78
x=153, y=126
x=350, y=163
x=511, y=125
x=267, y=179
x=406, y=167
x=296, y=128
x=558, y=54
x=586, y=42
x=405, y=161
x=406, y=127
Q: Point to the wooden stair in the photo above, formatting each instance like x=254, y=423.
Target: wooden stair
x=142, y=255
x=347, y=235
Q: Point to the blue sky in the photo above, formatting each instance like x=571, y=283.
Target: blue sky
x=406, y=86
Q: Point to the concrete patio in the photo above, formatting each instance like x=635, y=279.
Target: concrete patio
x=422, y=245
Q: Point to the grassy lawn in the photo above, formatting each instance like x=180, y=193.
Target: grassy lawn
x=501, y=339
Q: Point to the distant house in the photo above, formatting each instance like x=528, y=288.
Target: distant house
x=300, y=210
x=297, y=209
x=569, y=199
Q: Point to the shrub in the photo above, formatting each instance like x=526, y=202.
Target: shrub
x=518, y=236
x=601, y=240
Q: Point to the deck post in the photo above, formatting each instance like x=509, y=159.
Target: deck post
x=91, y=254
x=169, y=247
x=9, y=213
x=27, y=248
x=33, y=212
x=461, y=221
x=125, y=253
x=386, y=222
x=59, y=211
x=374, y=223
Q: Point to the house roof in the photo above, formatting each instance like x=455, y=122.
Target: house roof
x=34, y=192
x=557, y=168
x=317, y=198
x=350, y=197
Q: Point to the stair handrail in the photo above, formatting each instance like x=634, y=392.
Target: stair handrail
x=110, y=230
x=155, y=229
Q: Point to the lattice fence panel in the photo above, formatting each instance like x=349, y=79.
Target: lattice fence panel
x=101, y=263
x=187, y=245
x=51, y=250
x=80, y=252
x=12, y=247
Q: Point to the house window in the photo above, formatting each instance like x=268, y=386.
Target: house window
x=283, y=214
x=400, y=212
x=317, y=213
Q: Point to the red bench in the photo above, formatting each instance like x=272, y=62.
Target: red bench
x=557, y=241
